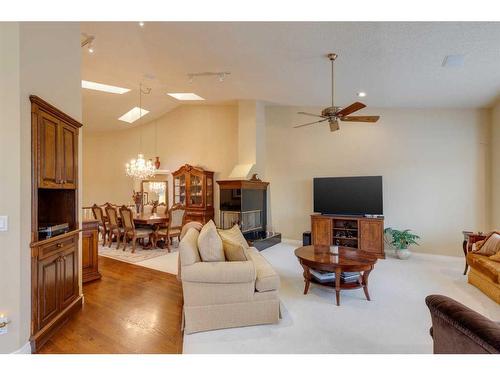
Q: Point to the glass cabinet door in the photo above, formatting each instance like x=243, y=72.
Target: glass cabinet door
x=196, y=190
x=210, y=192
x=180, y=189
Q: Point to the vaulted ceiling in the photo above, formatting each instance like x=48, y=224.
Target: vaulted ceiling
x=397, y=64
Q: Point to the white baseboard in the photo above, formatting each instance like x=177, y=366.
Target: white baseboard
x=291, y=241
x=25, y=349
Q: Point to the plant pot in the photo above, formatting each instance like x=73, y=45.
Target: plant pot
x=403, y=253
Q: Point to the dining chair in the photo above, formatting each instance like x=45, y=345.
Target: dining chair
x=176, y=217
x=114, y=226
x=130, y=231
x=161, y=209
x=99, y=216
x=147, y=209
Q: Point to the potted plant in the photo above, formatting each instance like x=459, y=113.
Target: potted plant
x=401, y=239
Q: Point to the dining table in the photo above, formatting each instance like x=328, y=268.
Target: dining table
x=155, y=221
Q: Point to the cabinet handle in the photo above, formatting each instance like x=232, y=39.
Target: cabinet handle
x=59, y=245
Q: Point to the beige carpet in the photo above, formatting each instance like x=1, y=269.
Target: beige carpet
x=395, y=321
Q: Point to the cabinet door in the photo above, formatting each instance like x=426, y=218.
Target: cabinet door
x=69, y=276
x=89, y=253
x=68, y=156
x=321, y=228
x=196, y=190
x=371, y=235
x=48, y=161
x=48, y=289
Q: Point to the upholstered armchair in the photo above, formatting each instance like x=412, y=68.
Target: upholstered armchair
x=456, y=329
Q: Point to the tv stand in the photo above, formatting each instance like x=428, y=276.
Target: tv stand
x=356, y=232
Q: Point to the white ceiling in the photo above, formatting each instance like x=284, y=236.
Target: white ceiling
x=397, y=64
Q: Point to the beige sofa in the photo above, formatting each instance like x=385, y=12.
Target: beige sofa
x=226, y=294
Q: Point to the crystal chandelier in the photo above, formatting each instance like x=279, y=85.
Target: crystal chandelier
x=140, y=168
x=157, y=187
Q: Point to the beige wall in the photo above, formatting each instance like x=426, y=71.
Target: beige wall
x=495, y=167
x=42, y=59
x=206, y=136
x=434, y=164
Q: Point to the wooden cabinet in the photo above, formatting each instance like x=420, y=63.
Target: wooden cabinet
x=322, y=229
x=194, y=188
x=58, y=152
x=355, y=232
x=55, y=290
x=90, y=263
x=371, y=235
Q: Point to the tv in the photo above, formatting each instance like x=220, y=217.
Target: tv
x=352, y=196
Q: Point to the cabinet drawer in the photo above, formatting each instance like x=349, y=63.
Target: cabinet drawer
x=56, y=246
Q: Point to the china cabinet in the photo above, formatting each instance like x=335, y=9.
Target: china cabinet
x=194, y=189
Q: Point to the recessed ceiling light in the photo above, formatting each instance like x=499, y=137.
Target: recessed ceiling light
x=453, y=61
x=133, y=115
x=185, y=96
x=361, y=94
x=102, y=87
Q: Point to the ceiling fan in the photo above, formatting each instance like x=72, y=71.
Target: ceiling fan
x=335, y=114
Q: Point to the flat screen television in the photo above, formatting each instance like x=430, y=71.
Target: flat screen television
x=348, y=195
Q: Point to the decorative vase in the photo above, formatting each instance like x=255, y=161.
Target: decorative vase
x=157, y=162
x=403, y=253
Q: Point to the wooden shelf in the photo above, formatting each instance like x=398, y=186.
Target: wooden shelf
x=345, y=238
x=350, y=229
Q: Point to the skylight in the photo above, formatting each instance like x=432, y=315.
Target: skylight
x=185, y=96
x=102, y=87
x=133, y=115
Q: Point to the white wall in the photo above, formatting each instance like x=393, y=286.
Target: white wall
x=434, y=164
x=43, y=59
x=200, y=135
x=495, y=167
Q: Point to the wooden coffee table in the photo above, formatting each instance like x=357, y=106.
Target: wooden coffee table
x=320, y=258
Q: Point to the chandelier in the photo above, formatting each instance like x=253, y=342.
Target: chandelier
x=140, y=168
x=157, y=187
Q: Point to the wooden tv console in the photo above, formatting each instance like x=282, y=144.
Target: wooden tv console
x=349, y=231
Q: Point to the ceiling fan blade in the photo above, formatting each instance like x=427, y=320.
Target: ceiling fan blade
x=310, y=123
x=310, y=114
x=360, y=118
x=334, y=125
x=350, y=109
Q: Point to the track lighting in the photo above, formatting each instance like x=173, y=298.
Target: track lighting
x=88, y=41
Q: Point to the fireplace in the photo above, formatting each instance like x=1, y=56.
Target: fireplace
x=244, y=203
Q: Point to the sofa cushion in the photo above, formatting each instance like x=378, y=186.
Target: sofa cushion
x=495, y=257
x=188, y=248
x=485, y=266
x=234, y=252
x=490, y=246
x=234, y=235
x=267, y=278
x=210, y=244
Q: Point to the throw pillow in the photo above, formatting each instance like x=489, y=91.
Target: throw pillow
x=491, y=245
x=210, y=244
x=234, y=252
x=234, y=235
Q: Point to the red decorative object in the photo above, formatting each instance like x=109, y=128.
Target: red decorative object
x=157, y=162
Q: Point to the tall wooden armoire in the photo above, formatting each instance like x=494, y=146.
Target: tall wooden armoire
x=55, y=293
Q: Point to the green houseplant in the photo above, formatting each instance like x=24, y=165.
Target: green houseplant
x=400, y=240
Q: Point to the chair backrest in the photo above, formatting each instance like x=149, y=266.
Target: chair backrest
x=127, y=218
x=176, y=216
x=147, y=209
x=112, y=215
x=456, y=329
x=98, y=214
x=161, y=209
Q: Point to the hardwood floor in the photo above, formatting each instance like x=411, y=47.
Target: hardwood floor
x=132, y=309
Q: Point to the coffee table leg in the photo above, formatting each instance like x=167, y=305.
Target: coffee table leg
x=307, y=278
x=337, y=285
x=365, y=284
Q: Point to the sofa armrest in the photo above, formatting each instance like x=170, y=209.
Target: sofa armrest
x=473, y=238
x=219, y=272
